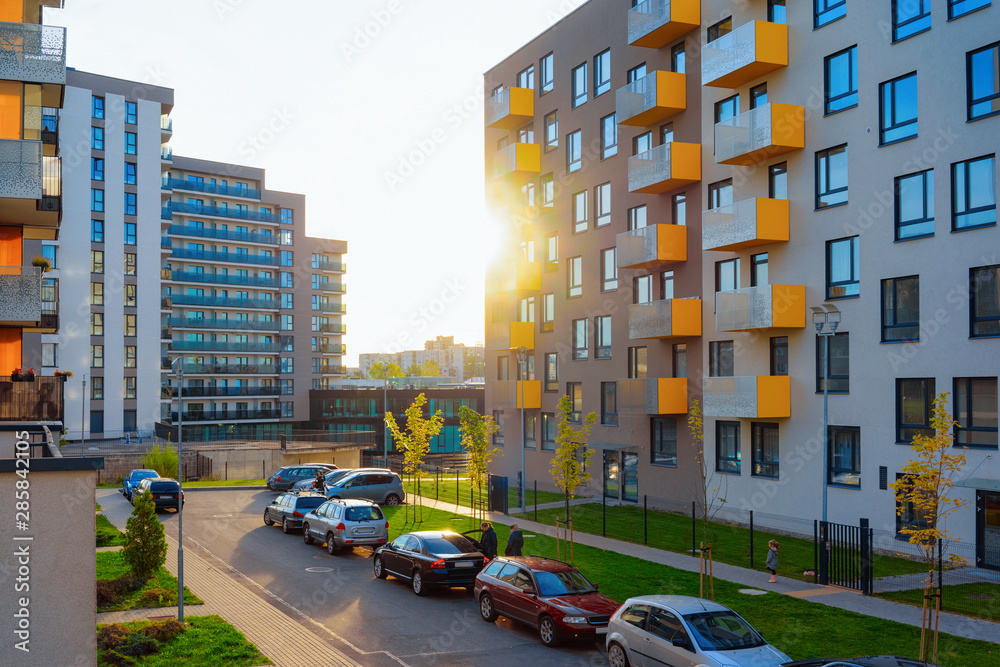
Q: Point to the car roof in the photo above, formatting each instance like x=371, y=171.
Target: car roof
x=540, y=563
x=303, y=494
x=430, y=534
x=352, y=501
x=685, y=604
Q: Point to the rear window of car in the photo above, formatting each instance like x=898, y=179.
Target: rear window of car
x=163, y=487
x=371, y=513
x=448, y=544
x=310, y=503
x=493, y=568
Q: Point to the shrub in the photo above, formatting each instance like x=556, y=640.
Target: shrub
x=165, y=631
x=106, y=594
x=157, y=596
x=145, y=548
x=117, y=659
x=110, y=635
x=163, y=461
x=127, y=584
x=138, y=644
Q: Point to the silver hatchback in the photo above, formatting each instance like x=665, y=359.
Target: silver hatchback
x=345, y=524
x=379, y=487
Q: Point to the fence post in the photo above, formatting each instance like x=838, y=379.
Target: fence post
x=694, y=531
x=815, y=551
x=458, y=501
x=824, y=554
x=751, y=539
x=645, y=520
x=437, y=481
x=536, y=500
x=604, y=515
x=866, y=558
x=227, y=471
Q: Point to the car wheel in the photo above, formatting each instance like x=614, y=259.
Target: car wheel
x=547, y=631
x=267, y=518
x=617, y=656
x=486, y=608
x=331, y=546
x=417, y=582
x=380, y=570
x=285, y=528
x=392, y=499
x=306, y=537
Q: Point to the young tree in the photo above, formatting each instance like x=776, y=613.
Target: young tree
x=477, y=436
x=416, y=442
x=414, y=370
x=145, y=549
x=164, y=461
x=569, y=466
x=924, y=492
x=711, y=503
x=382, y=370
x=431, y=368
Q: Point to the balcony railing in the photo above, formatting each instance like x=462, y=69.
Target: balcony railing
x=507, y=394
x=332, y=328
x=221, y=279
x=20, y=296
x=509, y=335
x=654, y=23
x=331, y=286
x=760, y=134
x=229, y=325
x=33, y=53
x=650, y=99
x=653, y=245
x=175, y=300
x=748, y=397
x=226, y=415
x=745, y=224
x=40, y=399
x=225, y=369
x=166, y=124
x=515, y=277
x=668, y=318
x=745, y=54
x=20, y=169
x=761, y=307
x=221, y=212
x=333, y=308
x=224, y=234
x=665, y=167
x=324, y=264
x=166, y=153
x=50, y=304
x=235, y=257
x=510, y=108
x=333, y=369
x=333, y=348
x=210, y=188
x=517, y=160
x=224, y=346
x=653, y=396
x=201, y=392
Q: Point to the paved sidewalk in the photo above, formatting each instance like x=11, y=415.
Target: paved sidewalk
x=292, y=646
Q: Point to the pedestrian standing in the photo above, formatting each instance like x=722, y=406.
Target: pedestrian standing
x=489, y=541
x=319, y=484
x=772, y=560
x=515, y=541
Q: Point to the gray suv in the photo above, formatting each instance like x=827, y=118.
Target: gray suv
x=285, y=477
x=345, y=524
x=332, y=477
x=379, y=487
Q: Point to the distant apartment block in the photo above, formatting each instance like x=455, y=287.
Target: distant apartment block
x=452, y=358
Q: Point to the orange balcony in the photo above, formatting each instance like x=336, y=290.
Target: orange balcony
x=651, y=99
x=669, y=318
x=653, y=396
x=760, y=134
x=516, y=160
x=510, y=108
x=762, y=307
x=665, y=167
x=507, y=394
x=748, y=397
x=516, y=277
x=508, y=335
x=653, y=245
x=746, y=224
x=655, y=23
x=747, y=53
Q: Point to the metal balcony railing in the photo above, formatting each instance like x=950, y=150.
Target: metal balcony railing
x=234, y=325
x=225, y=369
x=20, y=169
x=226, y=415
x=32, y=52
x=653, y=23
x=40, y=399
x=219, y=302
x=20, y=295
x=221, y=212
x=210, y=188
x=235, y=257
x=224, y=346
x=220, y=279
x=224, y=234
x=201, y=392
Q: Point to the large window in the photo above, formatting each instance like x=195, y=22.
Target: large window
x=97, y=261
x=958, y=8
x=529, y=430
x=602, y=337
x=831, y=177
x=843, y=268
x=574, y=390
x=97, y=200
x=901, y=309
x=96, y=294
x=637, y=362
x=727, y=275
x=130, y=203
x=526, y=78
x=130, y=233
x=96, y=169
x=910, y=17
x=776, y=11
x=984, y=293
x=574, y=151
x=97, y=324
x=609, y=403
x=727, y=447
x=836, y=369
x=720, y=358
x=898, y=108
x=97, y=356
x=548, y=312
x=548, y=432
x=130, y=172
x=97, y=107
x=602, y=72
x=551, y=131
x=727, y=108
x=131, y=113
x=720, y=193
x=779, y=355
x=914, y=196
x=974, y=194
x=642, y=289
x=764, y=449
x=827, y=11
x=609, y=137
x=663, y=441
x=579, y=331
x=97, y=138
x=580, y=212
x=637, y=217
x=551, y=371
x=579, y=85
x=758, y=269
x=914, y=402
x=609, y=269
x=602, y=203
x=845, y=455
x=97, y=231
x=976, y=412
x=574, y=276
x=777, y=181
x=130, y=143
x=546, y=79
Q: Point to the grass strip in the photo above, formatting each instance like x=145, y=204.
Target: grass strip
x=111, y=565
x=450, y=491
x=209, y=641
x=978, y=600
x=107, y=534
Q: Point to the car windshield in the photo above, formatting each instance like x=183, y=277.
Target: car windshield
x=371, y=513
x=567, y=582
x=722, y=630
x=163, y=487
x=143, y=474
x=448, y=544
x=337, y=474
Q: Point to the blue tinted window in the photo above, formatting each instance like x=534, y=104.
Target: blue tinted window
x=984, y=82
x=898, y=106
x=842, y=80
x=826, y=11
x=958, y=8
x=97, y=138
x=910, y=17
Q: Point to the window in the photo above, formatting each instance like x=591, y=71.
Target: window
x=130, y=356
x=288, y=258
x=97, y=200
x=723, y=27
x=96, y=169
x=503, y=365
x=285, y=237
x=130, y=173
x=758, y=96
x=287, y=323
x=958, y=8
x=779, y=355
x=642, y=289
x=845, y=455
x=526, y=78
x=129, y=387
x=287, y=300
x=97, y=107
x=898, y=108
x=526, y=310
x=758, y=270
x=677, y=59
x=679, y=205
x=727, y=275
x=548, y=190
x=548, y=312
x=984, y=291
x=776, y=11
x=764, y=449
x=727, y=108
x=97, y=261
x=720, y=193
x=97, y=231
x=546, y=80
x=602, y=344
x=680, y=360
x=97, y=387
x=529, y=430
x=130, y=295
x=974, y=196
x=914, y=197
x=579, y=212
x=609, y=269
x=130, y=139
x=663, y=441
x=49, y=354
x=130, y=263
x=579, y=85
x=976, y=412
x=727, y=447
x=97, y=138
x=552, y=252
x=843, y=268
x=130, y=325
x=130, y=233
x=575, y=276
x=287, y=364
x=609, y=403
x=498, y=434
x=636, y=73
x=551, y=371
x=609, y=137
x=777, y=181
x=574, y=390
x=910, y=17
x=580, y=351
x=551, y=131
x=131, y=113
x=129, y=203
x=642, y=143
x=831, y=177
x=827, y=11
x=838, y=367
x=914, y=402
x=574, y=151
x=602, y=197
x=97, y=357
x=548, y=432
x=50, y=253
x=637, y=217
x=602, y=72
x=666, y=133
x=720, y=358
x=96, y=294
x=287, y=215
x=901, y=309
x=637, y=367
x=841, y=80
x=97, y=324
x=666, y=285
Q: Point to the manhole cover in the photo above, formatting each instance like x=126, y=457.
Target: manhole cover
x=752, y=591
x=319, y=569
x=979, y=597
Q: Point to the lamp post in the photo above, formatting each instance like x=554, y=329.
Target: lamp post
x=522, y=357
x=83, y=411
x=385, y=417
x=826, y=319
x=180, y=487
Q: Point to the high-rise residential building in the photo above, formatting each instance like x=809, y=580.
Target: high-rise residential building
x=696, y=193
x=455, y=360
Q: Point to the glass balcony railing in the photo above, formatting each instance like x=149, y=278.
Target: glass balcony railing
x=653, y=245
x=235, y=257
x=225, y=369
x=650, y=99
x=175, y=300
x=187, y=208
x=201, y=392
x=226, y=415
x=507, y=394
x=38, y=400
x=517, y=160
x=166, y=153
x=667, y=318
x=33, y=53
x=760, y=134
x=331, y=328
x=221, y=279
x=745, y=224
x=166, y=124
x=333, y=348
x=665, y=167
x=509, y=335
x=510, y=108
x=224, y=346
x=748, y=397
x=229, y=325
x=210, y=188
x=20, y=296
x=761, y=307
x=653, y=396
x=332, y=369
x=331, y=286
x=224, y=234
x=747, y=53
x=655, y=23
x=332, y=308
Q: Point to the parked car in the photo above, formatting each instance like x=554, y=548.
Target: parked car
x=545, y=593
x=332, y=476
x=686, y=632
x=380, y=487
x=288, y=509
x=430, y=559
x=346, y=523
x=288, y=475
x=867, y=661
x=133, y=478
x=163, y=491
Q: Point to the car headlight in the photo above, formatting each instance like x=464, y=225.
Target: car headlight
x=576, y=620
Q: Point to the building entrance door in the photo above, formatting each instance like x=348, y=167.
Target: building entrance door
x=612, y=475
x=630, y=487
x=988, y=530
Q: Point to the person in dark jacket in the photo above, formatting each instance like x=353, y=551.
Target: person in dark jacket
x=489, y=540
x=515, y=542
x=319, y=484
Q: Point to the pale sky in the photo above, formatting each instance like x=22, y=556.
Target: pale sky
x=371, y=108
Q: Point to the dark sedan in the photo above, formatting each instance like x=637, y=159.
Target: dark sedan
x=430, y=559
x=163, y=492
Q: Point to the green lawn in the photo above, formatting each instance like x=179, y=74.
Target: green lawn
x=110, y=565
x=208, y=642
x=800, y=628
x=107, y=534
x=446, y=492
x=958, y=600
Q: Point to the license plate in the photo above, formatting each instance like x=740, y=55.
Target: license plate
x=364, y=531
x=463, y=563
x=602, y=631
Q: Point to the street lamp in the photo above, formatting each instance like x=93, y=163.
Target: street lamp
x=522, y=357
x=180, y=487
x=83, y=410
x=385, y=417
x=826, y=319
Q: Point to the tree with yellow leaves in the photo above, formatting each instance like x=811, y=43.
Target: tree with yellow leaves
x=569, y=465
x=416, y=443
x=477, y=434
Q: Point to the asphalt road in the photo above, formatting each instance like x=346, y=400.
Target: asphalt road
x=376, y=622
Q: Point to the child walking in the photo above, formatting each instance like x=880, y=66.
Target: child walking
x=772, y=560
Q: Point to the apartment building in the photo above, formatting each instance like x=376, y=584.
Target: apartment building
x=452, y=358
x=821, y=251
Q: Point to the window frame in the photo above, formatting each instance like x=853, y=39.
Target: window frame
x=721, y=359
x=551, y=371
x=855, y=456
x=580, y=339
x=660, y=451
x=551, y=125
x=574, y=391
x=952, y=15
x=759, y=465
x=887, y=109
x=602, y=66
x=609, y=269
x=826, y=12
x=912, y=429
x=894, y=308
x=574, y=277
x=962, y=388
x=574, y=151
x=638, y=362
x=855, y=270
x=548, y=428
x=851, y=96
x=732, y=463
x=602, y=337
x=609, y=150
x=546, y=74
x=974, y=290
x=896, y=24
x=578, y=86
x=842, y=381
x=774, y=173
x=776, y=357
x=900, y=226
x=825, y=155
x=609, y=404
x=955, y=213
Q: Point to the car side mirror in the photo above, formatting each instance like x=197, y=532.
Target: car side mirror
x=681, y=642
x=528, y=591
